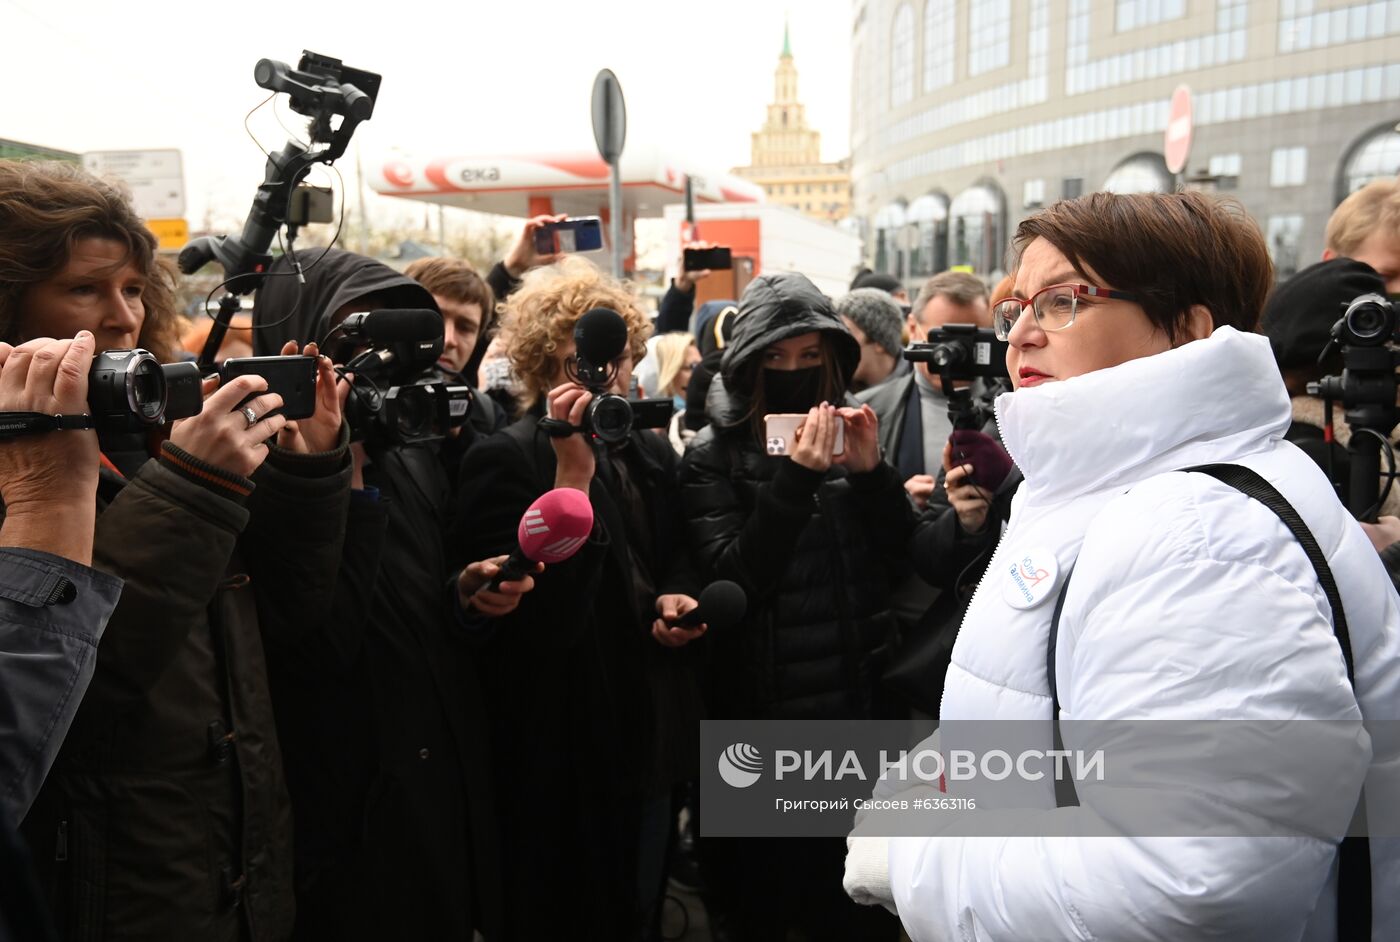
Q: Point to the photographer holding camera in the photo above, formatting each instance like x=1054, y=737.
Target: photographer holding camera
x=594, y=701
x=53, y=605
x=378, y=702
x=165, y=814
x=816, y=540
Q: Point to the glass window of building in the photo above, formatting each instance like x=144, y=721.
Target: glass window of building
x=929, y=214
x=1131, y=14
x=902, y=56
x=889, y=222
x=1225, y=165
x=1284, y=235
x=1140, y=173
x=1072, y=188
x=1376, y=158
x=979, y=227
x=1033, y=194
x=1288, y=166
x=940, y=39
x=988, y=35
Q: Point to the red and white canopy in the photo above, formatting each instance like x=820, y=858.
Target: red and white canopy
x=573, y=183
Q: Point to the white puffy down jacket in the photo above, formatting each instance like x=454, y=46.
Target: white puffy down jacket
x=1188, y=601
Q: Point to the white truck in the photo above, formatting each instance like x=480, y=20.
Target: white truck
x=765, y=238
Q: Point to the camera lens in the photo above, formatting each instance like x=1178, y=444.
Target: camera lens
x=414, y=412
x=1369, y=320
x=145, y=387
x=611, y=417
x=949, y=353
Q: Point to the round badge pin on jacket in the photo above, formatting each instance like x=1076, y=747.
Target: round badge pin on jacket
x=1029, y=577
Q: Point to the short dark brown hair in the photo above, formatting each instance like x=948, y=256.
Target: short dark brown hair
x=960, y=287
x=455, y=280
x=1171, y=250
x=45, y=207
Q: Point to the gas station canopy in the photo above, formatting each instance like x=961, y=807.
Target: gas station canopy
x=571, y=182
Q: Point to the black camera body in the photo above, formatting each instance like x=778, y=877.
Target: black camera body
x=600, y=337
x=412, y=413
x=400, y=396
x=962, y=353
x=1367, y=333
x=130, y=391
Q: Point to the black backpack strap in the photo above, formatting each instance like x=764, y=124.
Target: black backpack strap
x=1354, y=865
x=1247, y=481
x=1065, y=794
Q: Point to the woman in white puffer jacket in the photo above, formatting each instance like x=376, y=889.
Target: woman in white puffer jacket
x=1189, y=600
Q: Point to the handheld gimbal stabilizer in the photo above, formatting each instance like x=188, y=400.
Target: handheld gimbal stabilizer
x=320, y=88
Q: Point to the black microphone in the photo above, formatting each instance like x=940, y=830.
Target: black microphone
x=721, y=604
x=394, y=325
x=600, y=336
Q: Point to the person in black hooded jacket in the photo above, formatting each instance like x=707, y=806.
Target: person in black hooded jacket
x=816, y=541
x=379, y=705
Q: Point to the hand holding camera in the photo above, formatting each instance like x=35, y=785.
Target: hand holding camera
x=54, y=472
x=576, y=463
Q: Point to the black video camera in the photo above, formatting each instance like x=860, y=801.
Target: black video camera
x=399, y=395
x=1367, y=333
x=962, y=353
x=130, y=391
x=600, y=337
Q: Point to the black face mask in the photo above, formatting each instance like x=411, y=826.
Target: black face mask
x=792, y=391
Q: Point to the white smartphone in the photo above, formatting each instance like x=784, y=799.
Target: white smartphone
x=779, y=432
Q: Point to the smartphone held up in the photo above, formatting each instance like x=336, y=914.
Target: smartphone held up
x=780, y=433
x=580, y=234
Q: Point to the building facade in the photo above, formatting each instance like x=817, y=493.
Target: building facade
x=968, y=115
x=786, y=154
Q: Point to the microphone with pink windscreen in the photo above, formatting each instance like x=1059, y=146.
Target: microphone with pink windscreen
x=553, y=528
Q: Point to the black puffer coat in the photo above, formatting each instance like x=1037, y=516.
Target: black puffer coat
x=816, y=553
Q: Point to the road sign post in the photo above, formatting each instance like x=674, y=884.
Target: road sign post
x=610, y=133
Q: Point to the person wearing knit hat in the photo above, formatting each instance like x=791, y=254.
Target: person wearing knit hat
x=1298, y=319
x=876, y=321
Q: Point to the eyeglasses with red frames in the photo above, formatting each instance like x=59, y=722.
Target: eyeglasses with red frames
x=1054, y=306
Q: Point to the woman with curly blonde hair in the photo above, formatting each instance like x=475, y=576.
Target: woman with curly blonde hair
x=596, y=684
x=540, y=319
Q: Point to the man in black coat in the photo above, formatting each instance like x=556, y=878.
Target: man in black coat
x=379, y=708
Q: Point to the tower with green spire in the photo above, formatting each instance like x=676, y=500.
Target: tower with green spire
x=786, y=153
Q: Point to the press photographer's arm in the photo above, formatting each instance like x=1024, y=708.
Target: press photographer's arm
x=48, y=481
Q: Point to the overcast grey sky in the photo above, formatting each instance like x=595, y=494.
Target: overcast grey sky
x=468, y=77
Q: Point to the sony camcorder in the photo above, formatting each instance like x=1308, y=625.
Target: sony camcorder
x=399, y=395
